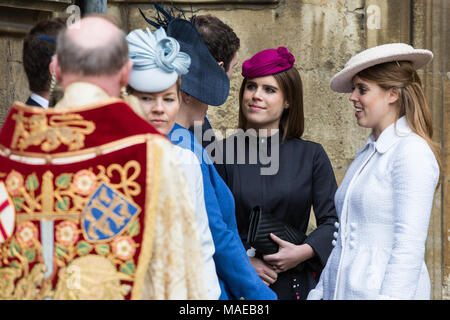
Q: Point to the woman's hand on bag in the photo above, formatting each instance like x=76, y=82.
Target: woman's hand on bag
x=265, y=271
x=289, y=255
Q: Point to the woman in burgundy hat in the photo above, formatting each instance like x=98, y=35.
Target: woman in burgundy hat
x=300, y=175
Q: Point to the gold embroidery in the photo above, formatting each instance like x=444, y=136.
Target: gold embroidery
x=63, y=197
x=91, y=277
x=76, y=155
x=69, y=193
x=153, y=182
x=47, y=192
x=28, y=287
x=127, y=184
x=7, y=278
x=68, y=129
x=16, y=255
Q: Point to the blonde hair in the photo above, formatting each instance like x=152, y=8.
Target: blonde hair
x=401, y=76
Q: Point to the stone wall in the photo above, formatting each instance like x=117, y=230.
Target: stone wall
x=322, y=35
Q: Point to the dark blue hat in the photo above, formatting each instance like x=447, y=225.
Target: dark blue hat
x=206, y=80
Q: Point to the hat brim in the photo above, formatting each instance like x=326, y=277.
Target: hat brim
x=206, y=80
x=343, y=81
x=152, y=80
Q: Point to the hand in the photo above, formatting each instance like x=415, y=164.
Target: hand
x=265, y=272
x=289, y=255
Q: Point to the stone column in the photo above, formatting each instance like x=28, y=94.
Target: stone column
x=423, y=23
x=446, y=193
x=431, y=31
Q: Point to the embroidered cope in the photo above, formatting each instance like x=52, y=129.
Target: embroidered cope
x=101, y=207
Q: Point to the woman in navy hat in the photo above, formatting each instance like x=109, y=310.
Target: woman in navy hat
x=384, y=202
x=206, y=82
x=300, y=175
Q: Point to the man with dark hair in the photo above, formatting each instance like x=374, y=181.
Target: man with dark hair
x=220, y=40
x=223, y=45
x=38, y=48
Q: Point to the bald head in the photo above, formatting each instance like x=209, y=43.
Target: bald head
x=94, y=46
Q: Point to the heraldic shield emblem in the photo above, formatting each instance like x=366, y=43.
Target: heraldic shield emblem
x=7, y=214
x=107, y=214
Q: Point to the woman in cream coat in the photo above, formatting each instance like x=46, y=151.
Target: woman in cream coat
x=385, y=200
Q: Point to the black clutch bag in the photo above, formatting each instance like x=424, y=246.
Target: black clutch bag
x=262, y=224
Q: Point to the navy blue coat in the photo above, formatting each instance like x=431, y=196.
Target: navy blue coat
x=304, y=180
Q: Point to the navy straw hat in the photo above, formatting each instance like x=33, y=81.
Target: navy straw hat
x=206, y=80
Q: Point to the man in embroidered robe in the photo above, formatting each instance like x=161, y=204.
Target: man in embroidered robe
x=102, y=210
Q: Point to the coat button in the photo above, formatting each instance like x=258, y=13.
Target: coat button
x=251, y=252
x=353, y=226
x=336, y=225
x=333, y=243
x=335, y=235
x=352, y=235
x=352, y=244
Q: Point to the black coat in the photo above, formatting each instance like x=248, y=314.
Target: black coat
x=304, y=180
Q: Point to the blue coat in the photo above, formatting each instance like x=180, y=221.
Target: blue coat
x=237, y=277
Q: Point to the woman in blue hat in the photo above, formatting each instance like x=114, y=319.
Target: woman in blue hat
x=155, y=81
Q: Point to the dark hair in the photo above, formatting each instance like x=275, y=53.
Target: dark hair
x=106, y=59
x=292, y=122
x=218, y=37
x=38, y=51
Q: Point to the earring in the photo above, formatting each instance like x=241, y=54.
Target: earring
x=123, y=92
x=52, y=88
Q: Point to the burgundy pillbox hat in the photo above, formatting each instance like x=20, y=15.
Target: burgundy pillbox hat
x=268, y=62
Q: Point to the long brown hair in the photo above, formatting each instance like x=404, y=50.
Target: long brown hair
x=412, y=102
x=292, y=122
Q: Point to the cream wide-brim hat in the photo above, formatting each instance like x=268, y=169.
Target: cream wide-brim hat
x=342, y=81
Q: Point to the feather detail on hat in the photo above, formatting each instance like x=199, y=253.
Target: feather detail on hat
x=206, y=80
x=155, y=57
x=164, y=17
